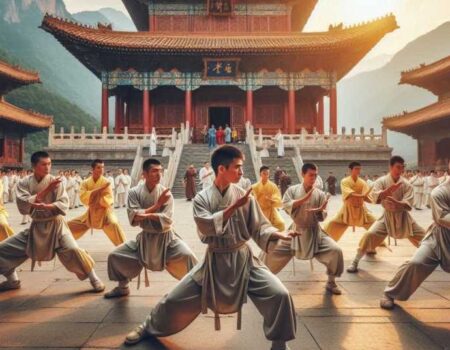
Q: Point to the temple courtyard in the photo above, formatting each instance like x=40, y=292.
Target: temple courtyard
x=53, y=310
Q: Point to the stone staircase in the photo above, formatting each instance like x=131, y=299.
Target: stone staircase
x=285, y=163
x=197, y=154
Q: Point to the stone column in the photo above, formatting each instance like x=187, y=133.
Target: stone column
x=291, y=111
x=249, y=109
x=105, y=107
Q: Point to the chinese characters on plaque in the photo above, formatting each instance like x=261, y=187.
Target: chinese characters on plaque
x=220, y=7
x=221, y=68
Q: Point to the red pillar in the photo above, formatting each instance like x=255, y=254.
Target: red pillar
x=291, y=111
x=119, y=115
x=105, y=110
x=22, y=149
x=146, y=111
x=333, y=109
x=249, y=106
x=188, y=107
x=286, y=118
x=320, y=116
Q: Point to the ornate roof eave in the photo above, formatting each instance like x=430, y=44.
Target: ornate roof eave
x=13, y=76
x=431, y=77
x=346, y=45
x=18, y=115
x=301, y=11
x=407, y=122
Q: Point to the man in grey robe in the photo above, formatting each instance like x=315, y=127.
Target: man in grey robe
x=44, y=198
x=433, y=251
x=306, y=205
x=396, y=195
x=226, y=217
x=157, y=247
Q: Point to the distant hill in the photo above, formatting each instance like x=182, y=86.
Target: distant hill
x=106, y=15
x=370, y=96
x=38, y=98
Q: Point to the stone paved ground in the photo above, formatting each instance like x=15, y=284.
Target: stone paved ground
x=55, y=310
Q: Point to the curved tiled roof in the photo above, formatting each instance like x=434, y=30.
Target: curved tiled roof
x=21, y=116
x=226, y=43
x=434, y=112
x=18, y=74
x=434, y=77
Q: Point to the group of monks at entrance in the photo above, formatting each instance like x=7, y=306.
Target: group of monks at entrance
x=227, y=216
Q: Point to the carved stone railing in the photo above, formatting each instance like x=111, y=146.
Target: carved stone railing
x=104, y=139
x=316, y=140
x=174, y=160
x=250, y=139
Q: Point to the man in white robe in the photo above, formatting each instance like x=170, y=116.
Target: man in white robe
x=418, y=185
x=120, y=182
x=206, y=175
x=279, y=139
x=153, y=140
x=395, y=194
x=434, y=251
x=5, y=187
x=431, y=181
x=44, y=198
x=127, y=183
x=306, y=205
x=226, y=217
x=157, y=247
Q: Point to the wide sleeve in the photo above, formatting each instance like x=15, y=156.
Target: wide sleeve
x=276, y=196
x=377, y=189
x=321, y=215
x=208, y=224
x=134, y=207
x=440, y=206
x=259, y=227
x=24, y=198
x=106, y=198
x=61, y=202
x=288, y=202
x=346, y=189
x=408, y=195
x=85, y=194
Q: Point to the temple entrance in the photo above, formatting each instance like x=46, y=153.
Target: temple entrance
x=219, y=116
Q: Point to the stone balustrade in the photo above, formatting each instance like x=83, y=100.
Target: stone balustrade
x=316, y=140
x=105, y=139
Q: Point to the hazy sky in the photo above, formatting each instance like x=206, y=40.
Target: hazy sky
x=415, y=17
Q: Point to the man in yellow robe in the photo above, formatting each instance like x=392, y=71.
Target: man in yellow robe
x=96, y=194
x=5, y=229
x=355, y=192
x=268, y=197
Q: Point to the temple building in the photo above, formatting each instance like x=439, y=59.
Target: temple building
x=15, y=122
x=430, y=125
x=204, y=62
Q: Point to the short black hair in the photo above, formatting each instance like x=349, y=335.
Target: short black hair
x=396, y=159
x=149, y=163
x=95, y=162
x=37, y=156
x=353, y=164
x=308, y=166
x=225, y=155
x=264, y=167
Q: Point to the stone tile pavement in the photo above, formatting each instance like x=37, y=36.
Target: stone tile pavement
x=54, y=310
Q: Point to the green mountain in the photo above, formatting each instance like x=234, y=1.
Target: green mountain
x=38, y=98
x=60, y=72
x=370, y=96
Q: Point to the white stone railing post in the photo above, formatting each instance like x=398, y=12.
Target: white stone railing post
x=51, y=135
